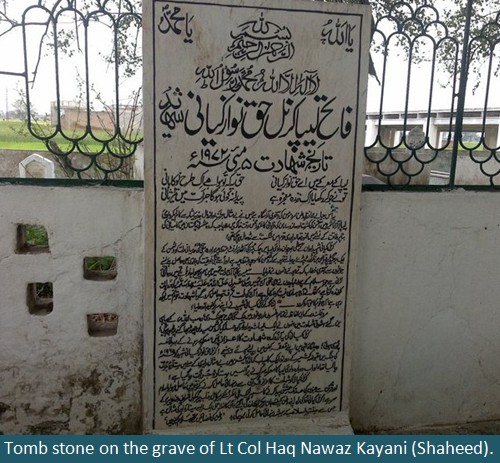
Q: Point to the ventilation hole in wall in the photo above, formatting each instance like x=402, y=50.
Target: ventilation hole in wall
x=32, y=239
x=99, y=268
x=102, y=324
x=40, y=298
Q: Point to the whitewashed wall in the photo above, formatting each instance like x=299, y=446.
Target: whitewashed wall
x=54, y=377
x=427, y=344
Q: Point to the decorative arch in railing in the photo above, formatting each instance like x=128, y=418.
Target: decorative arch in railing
x=416, y=34
x=92, y=137
x=403, y=150
x=105, y=137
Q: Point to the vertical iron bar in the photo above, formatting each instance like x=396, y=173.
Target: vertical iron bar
x=487, y=97
x=116, y=23
x=378, y=138
x=411, y=43
x=26, y=83
x=54, y=18
x=431, y=94
x=461, y=94
x=86, y=23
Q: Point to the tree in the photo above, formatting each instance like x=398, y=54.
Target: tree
x=446, y=23
x=20, y=110
x=452, y=15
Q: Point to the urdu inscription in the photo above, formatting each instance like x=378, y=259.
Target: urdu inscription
x=256, y=133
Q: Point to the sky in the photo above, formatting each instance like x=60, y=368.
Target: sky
x=71, y=71
x=102, y=75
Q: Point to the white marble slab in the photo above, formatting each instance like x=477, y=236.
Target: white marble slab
x=254, y=137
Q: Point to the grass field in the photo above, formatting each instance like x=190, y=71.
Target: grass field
x=14, y=135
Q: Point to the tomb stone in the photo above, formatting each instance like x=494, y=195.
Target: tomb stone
x=36, y=166
x=254, y=137
x=415, y=138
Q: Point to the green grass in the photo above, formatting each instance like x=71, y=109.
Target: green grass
x=473, y=144
x=14, y=135
x=100, y=263
x=36, y=235
x=12, y=139
x=44, y=290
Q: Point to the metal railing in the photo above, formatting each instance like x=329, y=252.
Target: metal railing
x=414, y=138
x=89, y=137
x=428, y=143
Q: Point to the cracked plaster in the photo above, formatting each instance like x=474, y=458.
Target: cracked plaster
x=426, y=343
x=54, y=377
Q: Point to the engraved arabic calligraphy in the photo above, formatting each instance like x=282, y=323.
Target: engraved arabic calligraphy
x=233, y=115
x=253, y=188
x=257, y=38
x=173, y=20
x=242, y=351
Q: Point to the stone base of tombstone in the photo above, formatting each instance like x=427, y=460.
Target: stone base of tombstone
x=335, y=425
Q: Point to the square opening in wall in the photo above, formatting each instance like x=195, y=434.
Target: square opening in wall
x=40, y=298
x=32, y=239
x=99, y=268
x=102, y=324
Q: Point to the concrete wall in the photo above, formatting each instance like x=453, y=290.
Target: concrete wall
x=426, y=344
x=74, y=117
x=10, y=159
x=54, y=377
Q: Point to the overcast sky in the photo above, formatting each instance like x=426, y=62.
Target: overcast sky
x=72, y=70
x=43, y=92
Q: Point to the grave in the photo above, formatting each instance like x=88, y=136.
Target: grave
x=254, y=136
x=36, y=166
x=415, y=139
